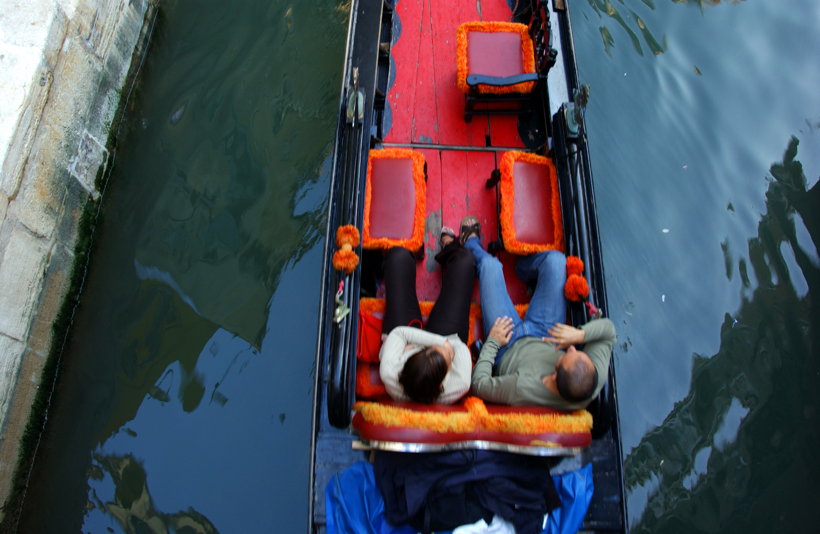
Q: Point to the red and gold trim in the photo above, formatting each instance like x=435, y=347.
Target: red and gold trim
x=474, y=416
x=416, y=240
x=507, y=187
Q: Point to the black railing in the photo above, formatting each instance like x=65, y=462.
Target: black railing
x=373, y=18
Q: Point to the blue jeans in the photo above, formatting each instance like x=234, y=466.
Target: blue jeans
x=547, y=305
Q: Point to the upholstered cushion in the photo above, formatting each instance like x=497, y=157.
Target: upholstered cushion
x=497, y=49
x=395, y=199
x=530, y=204
x=471, y=420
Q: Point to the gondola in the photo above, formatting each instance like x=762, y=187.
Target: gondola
x=405, y=95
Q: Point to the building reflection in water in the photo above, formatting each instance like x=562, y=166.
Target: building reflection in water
x=739, y=448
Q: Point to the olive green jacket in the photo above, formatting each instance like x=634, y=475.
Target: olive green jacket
x=529, y=359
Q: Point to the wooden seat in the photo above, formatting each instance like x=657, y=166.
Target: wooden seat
x=500, y=64
x=529, y=203
x=395, y=199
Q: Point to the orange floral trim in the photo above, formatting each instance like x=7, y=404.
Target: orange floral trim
x=576, y=288
x=530, y=423
x=507, y=186
x=476, y=417
x=443, y=422
x=575, y=265
x=371, y=305
x=415, y=241
x=527, y=55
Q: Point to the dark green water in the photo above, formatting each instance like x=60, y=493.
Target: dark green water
x=186, y=389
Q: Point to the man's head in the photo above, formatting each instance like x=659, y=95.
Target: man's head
x=423, y=374
x=575, y=375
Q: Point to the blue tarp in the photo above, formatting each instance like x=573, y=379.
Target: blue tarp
x=353, y=503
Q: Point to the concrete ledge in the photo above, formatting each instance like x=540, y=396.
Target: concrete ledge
x=63, y=66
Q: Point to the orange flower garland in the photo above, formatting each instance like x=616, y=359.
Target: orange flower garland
x=507, y=187
x=347, y=238
x=576, y=288
x=527, y=55
x=476, y=417
x=575, y=265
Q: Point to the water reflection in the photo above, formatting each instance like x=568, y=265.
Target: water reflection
x=732, y=450
x=608, y=9
x=235, y=145
x=132, y=508
x=187, y=386
x=635, y=26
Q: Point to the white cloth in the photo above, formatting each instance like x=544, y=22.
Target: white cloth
x=498, y=526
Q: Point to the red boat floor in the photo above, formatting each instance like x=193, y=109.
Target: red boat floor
x=428, y=108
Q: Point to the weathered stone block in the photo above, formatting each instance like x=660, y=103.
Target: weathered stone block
x=21, y=272
x=27, y=59
x=91, y=154
x=17, y=414
x=56, y=283
x=11, y=352
x=40, y=201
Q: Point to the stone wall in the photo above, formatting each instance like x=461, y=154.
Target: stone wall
x=63, y=67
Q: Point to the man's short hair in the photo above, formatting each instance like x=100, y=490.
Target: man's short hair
x=577, y=383
x=422, y=375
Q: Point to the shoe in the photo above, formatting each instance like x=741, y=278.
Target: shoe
x=446, y=231
x=469, y=227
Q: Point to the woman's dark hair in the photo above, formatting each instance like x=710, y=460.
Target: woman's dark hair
x=422, y=375
x=577, y=383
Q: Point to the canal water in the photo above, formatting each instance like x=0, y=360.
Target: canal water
x=184, y=398
x=704, y=122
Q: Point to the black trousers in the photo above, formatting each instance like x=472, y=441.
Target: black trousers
x=451, y=312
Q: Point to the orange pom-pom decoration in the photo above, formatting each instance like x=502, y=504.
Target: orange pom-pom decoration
x=575, y=265
x=347, y=234
x=576, y=289
x=345, y=260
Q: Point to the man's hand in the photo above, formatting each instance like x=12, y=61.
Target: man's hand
x=564, y=335
x=501, y=330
